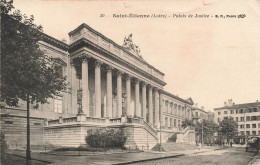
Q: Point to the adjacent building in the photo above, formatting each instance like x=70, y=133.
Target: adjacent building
x=247, y=115
x=201, y=113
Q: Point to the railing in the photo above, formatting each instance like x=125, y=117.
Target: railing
x=115, y=120
x=95, y=120
x=150, y=130
x=69, y=120
x=186, y=131
x=136, y=121
x=53, y=122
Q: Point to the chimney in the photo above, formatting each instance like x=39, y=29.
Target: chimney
x=202, y=107
x=225, y=103
x=230, y=102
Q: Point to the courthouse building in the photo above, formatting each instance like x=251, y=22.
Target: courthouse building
x=109, y=86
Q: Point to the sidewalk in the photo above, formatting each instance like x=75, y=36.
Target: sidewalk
x=98, y=158
x=111, y=158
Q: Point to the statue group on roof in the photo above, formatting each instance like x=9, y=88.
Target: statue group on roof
x=129, y=45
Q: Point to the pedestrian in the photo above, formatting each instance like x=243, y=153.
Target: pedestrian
x=231, y=143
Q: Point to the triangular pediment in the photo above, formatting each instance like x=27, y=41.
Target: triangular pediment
x=59, y=61
x=190, y=100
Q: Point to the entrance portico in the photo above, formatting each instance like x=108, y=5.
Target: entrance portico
x=126, y=77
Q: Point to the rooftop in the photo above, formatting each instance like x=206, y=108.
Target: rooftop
x=237, y=106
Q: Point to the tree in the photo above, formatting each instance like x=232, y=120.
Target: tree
x=228, y=128
x=27, y=73
x=186, y=123
x=209, y=128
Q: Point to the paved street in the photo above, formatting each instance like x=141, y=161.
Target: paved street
x=208, y=155
x=229, y=156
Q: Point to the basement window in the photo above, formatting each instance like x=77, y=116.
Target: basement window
x=9, y=122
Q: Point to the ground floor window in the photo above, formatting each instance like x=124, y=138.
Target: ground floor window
x=58, y=105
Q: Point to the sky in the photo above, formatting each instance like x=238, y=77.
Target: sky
x=210, y=60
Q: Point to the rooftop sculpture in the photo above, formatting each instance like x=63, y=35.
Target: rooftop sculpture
x=130, y=46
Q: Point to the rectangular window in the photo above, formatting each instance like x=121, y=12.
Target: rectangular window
x=196, y=114
x=231, y=111
x=247, y=132
x=241, y=111
x=247, y=125
x=174, y=122
x=9, y=122
x=37, y=123
x=254, y=110
x=236, y=111
x=57, y=105
x=253, y=125
x=225, y=112
x=166, y=121
x=219, y=113
x=248, y=118
x=241, y=118
x=241, y=132
x=253, y=118
x=236, y=118
x=241, y=126
x=253, y=132
x=225, y=117
x=170, y=121
x=218, y=119
x=258, y=125
x=258, y=132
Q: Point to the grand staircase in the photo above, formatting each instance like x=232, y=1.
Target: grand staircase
x=142, y=137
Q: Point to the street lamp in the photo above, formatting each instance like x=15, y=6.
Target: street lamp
x=201, y=121
x=160, y=135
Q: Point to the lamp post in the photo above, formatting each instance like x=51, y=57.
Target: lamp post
x=160, y=135
x=201, y=121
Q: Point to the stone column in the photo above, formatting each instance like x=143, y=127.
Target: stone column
x=119, y=93
x=156, y=102
x=84, y=76
x=161, y=108
x=150, y=105
x=128, y=95
x=137, y=98
x=97, y=89
x=109, y=92
x=144, y=101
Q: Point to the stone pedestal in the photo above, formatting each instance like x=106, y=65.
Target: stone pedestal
x=81, y=117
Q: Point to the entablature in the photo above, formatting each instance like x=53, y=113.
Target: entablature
x=85, y=35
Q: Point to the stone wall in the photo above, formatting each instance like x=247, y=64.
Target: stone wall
x=14, y=128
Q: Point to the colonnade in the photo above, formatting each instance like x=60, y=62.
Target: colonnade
x=154, y=95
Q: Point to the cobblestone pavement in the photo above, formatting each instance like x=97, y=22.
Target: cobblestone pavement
x=228, y=156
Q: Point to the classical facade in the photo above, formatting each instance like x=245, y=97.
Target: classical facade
x=247, y=115
x=109, y=86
